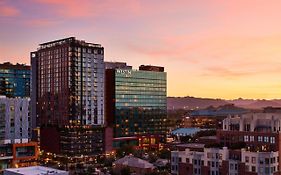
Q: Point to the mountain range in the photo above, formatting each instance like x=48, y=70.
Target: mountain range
x=200, y=103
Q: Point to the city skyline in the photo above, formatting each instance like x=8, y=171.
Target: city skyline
x=210, y=49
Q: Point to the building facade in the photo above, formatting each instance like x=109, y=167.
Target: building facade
x=258, y=131
x=223, y=161
x=15, y=120
x=14, y=80
x=16, y=149
x=68, y=92
x=136, y=107
x=247, y=144
x=68, y=82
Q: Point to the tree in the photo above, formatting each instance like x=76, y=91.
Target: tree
x=165, y=154
x=125, y=150
x=125, y=171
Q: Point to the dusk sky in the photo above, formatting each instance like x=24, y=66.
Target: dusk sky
x=210, y=48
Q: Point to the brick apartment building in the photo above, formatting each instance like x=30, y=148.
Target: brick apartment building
x=247, y=144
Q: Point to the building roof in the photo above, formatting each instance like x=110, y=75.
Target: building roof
x=67, y=40
x=132, y=161
x=185, y=131
x=36, y=170
x=209, y=137
x=225, y=110
x=8, y=65
x=191, y=145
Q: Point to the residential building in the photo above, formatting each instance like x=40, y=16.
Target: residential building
x=14, y=80
x=211, y=117
x=15, y=133
x=68, y=92
x=247, y=144
x=34, y=170
x=15, y=120
x=259, y=131
x=136, y=107
x=223, y=161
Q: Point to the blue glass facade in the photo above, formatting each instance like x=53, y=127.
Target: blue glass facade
x=14, y=80
x=140, y=102
x=136, y=106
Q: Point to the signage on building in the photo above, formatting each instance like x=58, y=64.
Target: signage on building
x=124, y=72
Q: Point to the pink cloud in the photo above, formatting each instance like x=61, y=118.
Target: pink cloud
x=40, y=23
x=90, y=8
x=8, y=11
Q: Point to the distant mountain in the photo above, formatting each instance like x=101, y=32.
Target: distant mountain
x=241, y=101
x=262, y=103
x=201, y=103
x=193, y=102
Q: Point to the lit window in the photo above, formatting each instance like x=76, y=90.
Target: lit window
x=252, y=138
x=246, y=138
x=272, y=139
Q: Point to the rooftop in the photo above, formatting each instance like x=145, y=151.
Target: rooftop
x=36, y=170
x=8, y=65
x=225, y=110
x=185, y=131
x=132, y=161
x=192, y=145
x=67, y=40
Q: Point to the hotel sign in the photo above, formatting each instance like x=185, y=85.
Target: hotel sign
x=124, y=71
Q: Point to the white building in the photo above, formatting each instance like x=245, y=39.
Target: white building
x=34, y=170
x=260, y=162
x=15, y=120
x=217, y=159
x=253, y=122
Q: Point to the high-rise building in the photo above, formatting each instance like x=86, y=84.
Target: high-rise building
x=136, y=107
x=67, y=90
x=68, y=85
x=14, y=80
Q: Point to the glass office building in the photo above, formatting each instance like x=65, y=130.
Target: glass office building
x=136, y=103
x=14, y=80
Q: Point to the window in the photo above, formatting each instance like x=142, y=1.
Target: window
x=266, y=139
x=252, y=138
x=231, y=166
x=195, y=162
x=253, y=169
x=253, y=159
x=266, y=170
x=272, y=139
x=260, y=139
x=261, y=170
x=246, y=159
x=266, y=161
x=209, y=155
x=246, y=138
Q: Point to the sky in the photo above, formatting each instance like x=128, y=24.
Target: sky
x=209, y=48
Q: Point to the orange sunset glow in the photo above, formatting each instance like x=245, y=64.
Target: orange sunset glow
x=212, y=48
